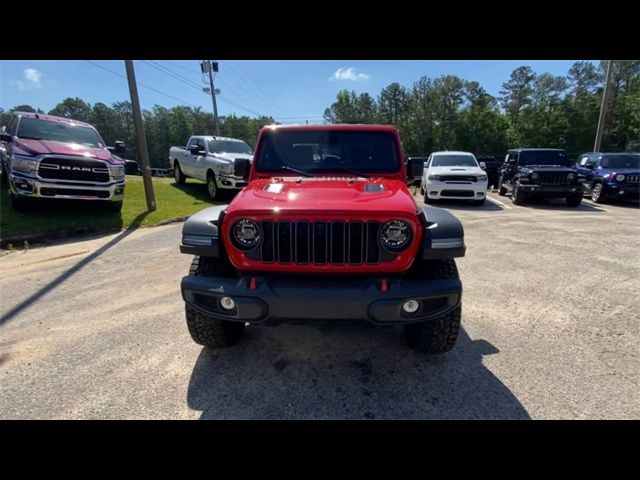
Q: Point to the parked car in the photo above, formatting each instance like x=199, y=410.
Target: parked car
x=540, y=172
x=415, y=167
x=52, y=158
x=492, y=167
x=453, y=176
x=325, y=230
x=213, y=160
x=610, y=175
x=159, y=172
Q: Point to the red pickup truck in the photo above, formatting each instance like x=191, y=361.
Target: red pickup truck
x=50, y=157
x=325, y=230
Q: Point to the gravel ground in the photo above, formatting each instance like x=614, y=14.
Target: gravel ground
x=551, y=329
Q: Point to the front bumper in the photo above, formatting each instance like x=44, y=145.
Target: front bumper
x=23, y=185
x=622, y=190
x=456, y=191
x=230, y=182
x=559, y=191
x=282, y=300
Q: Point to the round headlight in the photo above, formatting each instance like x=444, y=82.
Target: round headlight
x=534, y=176
x=395, y=235
x=246, y=234
x=620, y=177
x=571, y=177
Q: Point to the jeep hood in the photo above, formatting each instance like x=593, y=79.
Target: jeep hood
x=54, y=147
x=324, y=195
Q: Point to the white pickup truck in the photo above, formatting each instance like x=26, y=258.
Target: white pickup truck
x=218, y=161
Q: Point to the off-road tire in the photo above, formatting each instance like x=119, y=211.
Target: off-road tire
x=206, y=330
x=574, y=200
x=178, y=176
x=597, y=193
x=439, y=335
x=517, y=195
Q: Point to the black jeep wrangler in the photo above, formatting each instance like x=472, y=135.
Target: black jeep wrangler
x=492, y=166
x=540, y=172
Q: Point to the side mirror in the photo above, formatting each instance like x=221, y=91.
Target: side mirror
x=119, y=148
x=415, y=169
x=243, y=167
x=5, y=137
x=196, y=150
x=483, y=165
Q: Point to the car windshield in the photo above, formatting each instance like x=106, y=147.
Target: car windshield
x=229, y=146
x=328, y=151
x=58, y=131
x=543, y=157
x=621, y=161
x=453, y=161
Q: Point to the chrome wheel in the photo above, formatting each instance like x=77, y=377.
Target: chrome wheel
x=212, y=188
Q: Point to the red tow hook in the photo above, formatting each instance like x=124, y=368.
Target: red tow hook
x=253, y=284
x=384, y=285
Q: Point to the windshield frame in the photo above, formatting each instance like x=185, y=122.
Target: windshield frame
x=69, y=126
x=211, y=142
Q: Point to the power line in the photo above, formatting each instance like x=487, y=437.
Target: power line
x=250, y=90
x=259, y=90
x=141, y=84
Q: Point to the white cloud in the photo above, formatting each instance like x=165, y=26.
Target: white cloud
x=31, y=79
x=349, y=74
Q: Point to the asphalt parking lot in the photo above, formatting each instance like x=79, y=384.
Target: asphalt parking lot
x=551, y=329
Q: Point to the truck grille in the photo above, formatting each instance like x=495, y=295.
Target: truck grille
x=552, y=178
x=632, y=178
x=74, y=170
x=320, y=242
x=458, y=178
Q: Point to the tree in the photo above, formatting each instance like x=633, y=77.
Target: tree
x=393, y=103
x=74, y=108
x=516, y=93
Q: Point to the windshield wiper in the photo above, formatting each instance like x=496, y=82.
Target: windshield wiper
x=31, y=138
x=354, y=172
x=295, y=170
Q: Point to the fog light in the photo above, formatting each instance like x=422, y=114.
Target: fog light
x=227, y=303
x=411, y=306
x=621, y=192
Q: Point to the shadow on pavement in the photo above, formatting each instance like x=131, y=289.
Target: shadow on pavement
x=558, y=204
x=70, y=272
x=487, y=206
x=350, y=372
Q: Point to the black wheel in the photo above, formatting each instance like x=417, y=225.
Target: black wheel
x=439, y=335
x=212, y=186
x=178, y=175
x=597, y=193
x=501, y=190
x=517, y=194
x=574, y=200
x=205, y=330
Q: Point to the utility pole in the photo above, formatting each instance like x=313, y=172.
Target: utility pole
x=140, y=137
x=604, y=106
x=210, y=67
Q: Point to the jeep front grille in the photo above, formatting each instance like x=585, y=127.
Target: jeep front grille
x=552, y=178
x=632, y=178
x=320, y=242
x=69, y=169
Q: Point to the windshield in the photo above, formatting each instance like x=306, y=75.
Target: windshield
x=61, y=132
x=621, y=161
x=543, y=157
x=229, y=146
x=329, y=151
x=453, y=161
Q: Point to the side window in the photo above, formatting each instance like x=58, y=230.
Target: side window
x=583, y=161
x=593, y=160
x=12, y=126
x=200, y=143
x=191, y=143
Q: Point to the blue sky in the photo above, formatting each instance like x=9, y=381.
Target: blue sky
x=291, y=91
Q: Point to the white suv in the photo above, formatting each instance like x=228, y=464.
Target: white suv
x=455, y=176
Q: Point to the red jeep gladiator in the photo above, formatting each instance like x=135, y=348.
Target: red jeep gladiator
x=325, y=230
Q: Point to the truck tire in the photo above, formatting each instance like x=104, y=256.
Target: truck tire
x=439, y=335
x=517, y=194
x=212, y=186
x=178, y=175
x=206, y=330
x=597, y=193
x=574, y=200
x=501, y=190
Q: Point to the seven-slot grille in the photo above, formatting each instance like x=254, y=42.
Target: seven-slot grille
x=237, y=168
x=552, y=177
x=320, y=242
x=632, y=178
x=458, y=178
x=73, y=170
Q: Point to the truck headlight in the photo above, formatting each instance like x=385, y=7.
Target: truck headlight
x=395, y=235
x=482, y=178
x=246, y=234
x=116, y=172
x=226, y=169
x=23, y=164
x=534, y=176
x=434, y=177
x=620, y=177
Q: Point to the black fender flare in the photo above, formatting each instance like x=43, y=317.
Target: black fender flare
x=443, y=234
x=200, y=233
